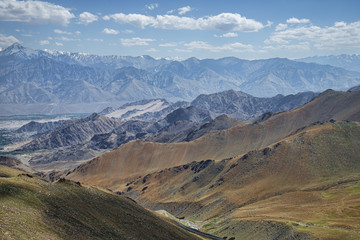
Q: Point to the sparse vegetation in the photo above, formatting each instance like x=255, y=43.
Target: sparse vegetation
x=33, y=208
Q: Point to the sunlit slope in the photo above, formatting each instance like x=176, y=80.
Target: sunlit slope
x=31, y=208
x=139, y=158
x=309, y=180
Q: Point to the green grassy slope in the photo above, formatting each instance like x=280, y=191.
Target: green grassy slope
x=31, y=208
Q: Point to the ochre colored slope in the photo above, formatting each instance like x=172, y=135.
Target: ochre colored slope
x=138, y=158
x=309, y=180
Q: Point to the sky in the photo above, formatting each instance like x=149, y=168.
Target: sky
x=179, y=29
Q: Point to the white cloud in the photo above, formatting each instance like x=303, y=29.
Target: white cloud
x=26, y=35
x=184, y=10
x=340, y=35
x=58, y=44
x=152, y=50
x=296, y=20
x=136, y=41
x=281, y=27
x=269, y=23
x=44, y=42
x=182, y=50
x=95, y=39
x=235, y=47
x=110, y=31
x=227, y=35
x=34, y=12
x=138, y=20
x=86, y=18
x=6, y=41
x=128, y=31
x=152, y=6
x=168, y=45
x=66, y=39
x=304, y=46
x=58, y=31
x=223, y=22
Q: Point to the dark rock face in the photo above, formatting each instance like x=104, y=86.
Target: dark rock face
x=73, y=132
x=39, y=127
x=243, y=106
x=353, y=89
x=192, y=114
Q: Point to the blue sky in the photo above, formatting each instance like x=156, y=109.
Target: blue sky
x=245, y=29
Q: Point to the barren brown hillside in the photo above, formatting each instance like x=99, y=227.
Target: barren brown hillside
x=309, y=180
x=139, y=158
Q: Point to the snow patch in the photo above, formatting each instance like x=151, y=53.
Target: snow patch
x=137, y=110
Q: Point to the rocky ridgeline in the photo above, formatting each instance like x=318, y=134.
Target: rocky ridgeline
x=37, y=77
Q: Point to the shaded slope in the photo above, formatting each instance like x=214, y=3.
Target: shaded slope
x=138, y=158
x=65, y=210
x=243, y=106
x=184, y=131
x=16, y=164
x=310, y=179
x=73, y=132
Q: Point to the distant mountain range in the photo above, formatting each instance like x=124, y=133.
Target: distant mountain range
x=75, y=82
x=348, y=62
x=206, y=107
x=150, y=120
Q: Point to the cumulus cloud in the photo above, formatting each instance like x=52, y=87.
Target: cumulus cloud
x=44, y=42
x=128, y=31
x=152, y=50
x=86, y=18
x=136, y=41
x=296, y=20
x=168, y=45
x=138, y=20
x=184, y=10
x=227, y=35
x=340, y=35
x=269, y=23
x=223, y=22
x=281, y=27
x=34, y=12
x=58, y=44
x=95, y=39
x=6, y=41
x=235, y=47
x=66, y=39
x=152, y=6
x=110, y=31
x=58, y=31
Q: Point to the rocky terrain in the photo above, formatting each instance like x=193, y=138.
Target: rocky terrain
x=219, y=145
x=278, y=177
x=65, y=144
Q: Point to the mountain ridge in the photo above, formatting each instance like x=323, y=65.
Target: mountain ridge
x=37, y=77
x=220, y=144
